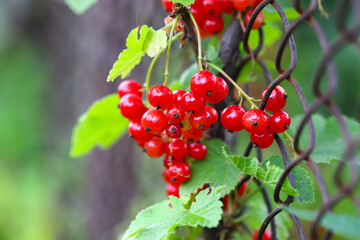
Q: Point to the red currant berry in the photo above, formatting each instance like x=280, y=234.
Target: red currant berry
x=160, y=97
x=172, y=189
x=180, y=171
x=168, y=5
x=177, y=96
x=262, y=140
x=226, y=6
x=166, y=175
x=132, y=107
x=241, y=189
x=198, y=15
x=175, y=114
x=222, y=91
x=167, y=161
x=185, y=124
x=213, y=113
x=211, y=7
x=129, y=86
x=266, y=236
x=154, y=121
x=258, y=20
x=164, y=137
x=173, y=130
x=192, y=103
x=200, y=121
x=231, y=118
x=197, y=4
x=225, y=202
x=177, y=149
x=141, y=143
x=254, y=3
x=155, y=147
x=197, y=151
x=137, y=132
x=214, y=25
x=279, y=122
x=192, y=135
x=204, y=84
x=241, y=5
x=255, y=121
x=277, y=99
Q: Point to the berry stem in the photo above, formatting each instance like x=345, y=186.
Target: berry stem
x=152, y=64
x=291, y=140
x=166, y=83
x=241, y=92
x=198, y=40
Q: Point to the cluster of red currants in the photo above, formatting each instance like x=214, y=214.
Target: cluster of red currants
x=256, y=121
x=174, y=123
x=207, y=13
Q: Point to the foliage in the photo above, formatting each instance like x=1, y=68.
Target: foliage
x=100, y=126
x=151, y=42
x=80, y=6
x=330, y=144
x=184, y=2
x=159, y=220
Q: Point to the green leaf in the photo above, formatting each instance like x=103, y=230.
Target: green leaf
x=271, y=15
x=214, y=169
x=341, y=224
x=80, y=6
x=213, y=56
x=252, y=73
x=329, y=143
x=272, y=33
x=268, y=174
x=155, y=42
x=185, y=77
x=303, y=182
x=100, y=126
x=184, y=2
x=150, y=42
x=157, y=221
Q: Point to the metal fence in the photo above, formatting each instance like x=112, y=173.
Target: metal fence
x=346, y=35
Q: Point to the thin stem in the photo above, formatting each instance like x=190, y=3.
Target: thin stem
x=291, y=140
x=198, y=40
x=166, y=83
x=241, y=92
x=152, y=64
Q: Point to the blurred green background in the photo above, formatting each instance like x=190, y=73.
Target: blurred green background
x=53, y=65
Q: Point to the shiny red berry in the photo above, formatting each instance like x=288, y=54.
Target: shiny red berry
x=155, y=147
x=277, y=99
x=177, y=96
x=137, y=132
x=192, y=135
x=166, y=175
x=132, y=107
x=167, y=161
x=231, y=118
x=266, y=236
x=197, y=151
x=241, y=5
x=259, y=20
x=222, y=91
x=160, y=97
x=177, y=149
x=172, y=189
x=254, y=3
x=180, y=171
x=175, y=114
x=225, y=202
x=154, y=121
x=204, y=84
x=198, y=15
x=262, y=140
x=173, y=130
x=211, y=7
x=192, y=103
x=214, y=114
x=200, y=120
x=255, y=121
x=214, y=25
x=130, y=86
x=279, y=122
x=168, y=5
x=226, y=6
